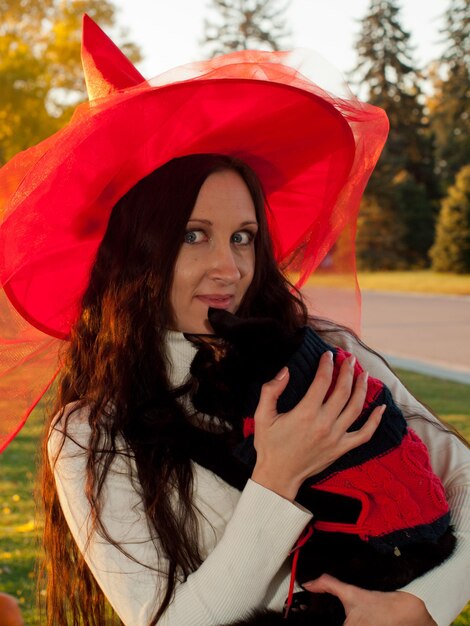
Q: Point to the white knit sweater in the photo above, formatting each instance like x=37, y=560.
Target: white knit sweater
x=246, y=537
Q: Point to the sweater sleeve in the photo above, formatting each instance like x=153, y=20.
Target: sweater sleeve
x=246, y=541
x=446, y=589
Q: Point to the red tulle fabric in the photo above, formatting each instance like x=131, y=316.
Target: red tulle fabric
x=312, y=151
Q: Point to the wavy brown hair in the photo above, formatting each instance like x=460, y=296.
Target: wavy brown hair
x=116, y=357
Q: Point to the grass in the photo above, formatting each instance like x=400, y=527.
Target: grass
x=418, y=281
x=450, y=400
x=424, y=281
x=19, y=536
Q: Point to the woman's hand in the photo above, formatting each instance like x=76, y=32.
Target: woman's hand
x=292, y=446
x=374, y=608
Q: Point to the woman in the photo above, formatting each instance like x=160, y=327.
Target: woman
x=167, y=541
x=224, y=261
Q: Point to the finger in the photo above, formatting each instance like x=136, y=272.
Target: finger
x=318, y=389
x=270, y=392
x=342, y=391
x=328, y=584
x=356, y=402
x=365, y=433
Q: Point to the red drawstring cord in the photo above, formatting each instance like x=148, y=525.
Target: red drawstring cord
x=304, y=537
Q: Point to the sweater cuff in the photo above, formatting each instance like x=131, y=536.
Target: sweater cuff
x=256, y=542
x=280, y=520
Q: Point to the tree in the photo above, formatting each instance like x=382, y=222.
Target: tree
x=416, y=220
x=40, y=72
x=451, y=251
x=388, y=79
x=449, y=110
x=380, y=238
x=246, y=24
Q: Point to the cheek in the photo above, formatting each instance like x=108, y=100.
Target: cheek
x=248, y=270
x=251, y=265
x=184, y=277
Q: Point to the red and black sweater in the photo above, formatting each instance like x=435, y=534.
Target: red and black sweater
x=399, y=499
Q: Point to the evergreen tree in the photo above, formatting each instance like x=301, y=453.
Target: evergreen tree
x=449, y=108
x=245, y=25
x=388, y=78
x=451, y=251
x=41, y=79
x=416, y=221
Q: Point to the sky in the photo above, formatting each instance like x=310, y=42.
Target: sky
x=168, y=31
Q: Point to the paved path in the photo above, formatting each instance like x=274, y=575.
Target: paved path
x=421, y=332
x=424, y=333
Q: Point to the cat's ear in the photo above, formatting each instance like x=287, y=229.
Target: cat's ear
x=225, y=323
x=231, y=327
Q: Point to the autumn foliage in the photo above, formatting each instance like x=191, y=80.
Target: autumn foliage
x=41, y=79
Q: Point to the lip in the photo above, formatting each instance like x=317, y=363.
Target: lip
x=217, y=301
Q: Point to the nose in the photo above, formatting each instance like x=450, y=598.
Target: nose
x=223, y=264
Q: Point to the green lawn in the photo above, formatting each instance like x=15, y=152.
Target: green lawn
x=18, y=530
x=423, y=281
x=19, y=534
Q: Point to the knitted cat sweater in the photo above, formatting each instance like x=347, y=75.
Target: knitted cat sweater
x=400, y=499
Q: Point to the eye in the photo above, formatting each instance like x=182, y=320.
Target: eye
x=243, y=237
x=194, y=236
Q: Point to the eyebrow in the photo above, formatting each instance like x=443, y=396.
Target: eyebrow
x=195, y=219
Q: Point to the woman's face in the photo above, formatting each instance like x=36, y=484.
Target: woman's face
x=216, y=262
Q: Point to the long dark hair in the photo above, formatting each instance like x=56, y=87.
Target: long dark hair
x=116, y=366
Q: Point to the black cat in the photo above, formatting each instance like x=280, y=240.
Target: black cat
x=380, y=515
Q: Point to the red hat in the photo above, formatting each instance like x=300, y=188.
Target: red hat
x=312, y=152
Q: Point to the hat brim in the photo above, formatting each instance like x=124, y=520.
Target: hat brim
x=302, y=147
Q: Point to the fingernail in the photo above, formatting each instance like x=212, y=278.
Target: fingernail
x=352, y=361
x=366, y=377
x=282, y=374
x=330, y=355
x=382, y=409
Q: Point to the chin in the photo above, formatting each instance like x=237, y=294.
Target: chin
x=205, y=328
